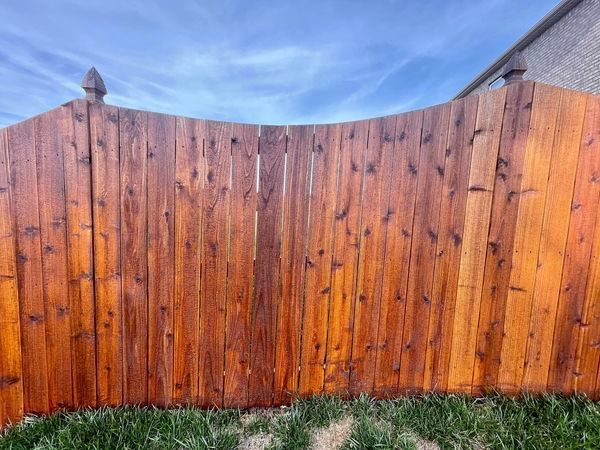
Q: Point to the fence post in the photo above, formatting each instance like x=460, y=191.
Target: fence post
x=93, y=85
x=514, y=68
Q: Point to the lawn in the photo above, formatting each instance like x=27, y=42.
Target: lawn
x=429, y=422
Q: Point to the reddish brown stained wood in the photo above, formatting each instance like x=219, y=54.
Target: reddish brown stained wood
x=268, y=251
x=21, y=147
x=375, y=216
x=49, y=128
x=217, y=156
x=104, y=141
x=134, y=257
x=345, y=256
x=419, y=296
x=161, y=256
x=78, y=191
x=555, y=227
x=319, y=258
x=244, y=149
x=571, y=302
x=463, y=114
x=505, y=206
x=528, y=226
x=11, y=373
x=188, y=222
x=293, y=261
x=401, y=204
x=486, y=139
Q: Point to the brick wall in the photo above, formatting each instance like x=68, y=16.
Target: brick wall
x=567, y=54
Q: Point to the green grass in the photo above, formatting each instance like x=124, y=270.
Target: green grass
x=549, y=422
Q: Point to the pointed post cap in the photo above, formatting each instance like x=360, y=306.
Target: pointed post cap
x=93, y=85
x=514, y=68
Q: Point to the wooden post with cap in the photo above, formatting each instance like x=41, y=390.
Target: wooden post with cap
x=514, y=68
x=93, y=85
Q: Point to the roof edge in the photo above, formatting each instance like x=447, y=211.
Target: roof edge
x=534, y=32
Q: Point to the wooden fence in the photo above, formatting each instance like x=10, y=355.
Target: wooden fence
x=147, y=258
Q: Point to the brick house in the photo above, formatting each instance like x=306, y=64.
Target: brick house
x=562, y=49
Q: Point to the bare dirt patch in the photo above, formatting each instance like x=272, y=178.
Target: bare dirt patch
x=333, y=436
x=258, y=441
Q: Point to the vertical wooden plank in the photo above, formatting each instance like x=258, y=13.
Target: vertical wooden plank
x=345, y=256
x=244, y=151
x=319, y=258
x=555, y=225
x=293, y=261
x=134, y=257
x=268, y=250
x=474, y=241
x=463, y=114
x=49, y=129
x=571, y=301
x=188, y=216
x=11, y=374
x=373, y=230
x=528, y=226
x=104, y=141
x=400, y=213
x=497, y=270
x=419, y=298
x=161, y=256
x=217, y=156
x=78, y=190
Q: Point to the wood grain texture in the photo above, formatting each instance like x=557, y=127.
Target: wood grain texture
x=553, y=239
x=373, y=231
x=188, y=223
x=501, y=237
x=572, y=307
x=319, y=254
x=419, y=294
x=244, y=152
x=161, y=256
x=272, y=146
x=213, y=297
x=486, y=142
x=400, y=213
x=293, y=261
x=133, y=126
x=345, y=256
x=49, y=129
x=463, y=114
x=78, y=196
x=11, y=373
x=104, y=149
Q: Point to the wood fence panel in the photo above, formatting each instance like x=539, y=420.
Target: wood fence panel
x=161, y=256
x=571, y=300
x=449, y=243
x=373, y=230
x=553, y=239
x=319, y=258
x=213, y=297
x=293, y=261
x=400, y=212
x=134, y=256
x=244, y=151
x=496, y=291
x=272, y=146
x=419, y=296
x=104, y=149
x=188, y=217
x=486, y=142
x=49, y=128
x=78, y=192
x=345, y=256
x=11, y=373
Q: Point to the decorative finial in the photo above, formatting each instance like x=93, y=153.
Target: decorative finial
x=514, y=68
x=93, y=85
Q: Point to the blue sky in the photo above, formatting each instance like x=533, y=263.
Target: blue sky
x=259, y=61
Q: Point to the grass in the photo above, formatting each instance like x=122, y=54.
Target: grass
x=549, y=422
